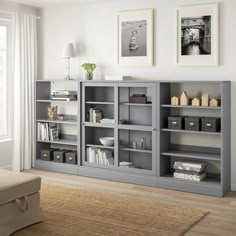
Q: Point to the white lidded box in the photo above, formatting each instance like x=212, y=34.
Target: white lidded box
x=117, y=77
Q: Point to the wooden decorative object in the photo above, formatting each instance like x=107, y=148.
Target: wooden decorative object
x=174, y=101
x=52, y=112
x=205, y=100
x=213, y=102
x=184, y=101
x=196, y=102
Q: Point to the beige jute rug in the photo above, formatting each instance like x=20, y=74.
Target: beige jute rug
x=72, y=211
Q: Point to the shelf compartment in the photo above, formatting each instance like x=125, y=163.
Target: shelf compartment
x=140, y=158
x=100, y=102
x=190, y=107
x=208, y=181
x=136, y=113
x=99, y=94
x=191, y=132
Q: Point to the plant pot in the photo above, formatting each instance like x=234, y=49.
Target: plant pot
x=89, y=76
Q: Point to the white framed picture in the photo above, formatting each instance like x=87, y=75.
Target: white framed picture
x=197, y=35
x=135, y=37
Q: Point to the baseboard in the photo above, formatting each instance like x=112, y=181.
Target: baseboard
x=6, y=167
x=233, y=187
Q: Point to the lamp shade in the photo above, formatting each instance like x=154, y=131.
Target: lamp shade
x=68, y=50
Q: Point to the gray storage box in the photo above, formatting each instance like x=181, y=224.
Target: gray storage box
x=192, y=123
x=71, y=157
x=210, y=124
x=47, y=154
x=59, y=156
x=175, y=122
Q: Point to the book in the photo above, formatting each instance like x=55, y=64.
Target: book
x=190, y=177
x=64, y=92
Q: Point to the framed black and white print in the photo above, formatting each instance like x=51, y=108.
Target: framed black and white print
x=197, y=38
x=135, y=38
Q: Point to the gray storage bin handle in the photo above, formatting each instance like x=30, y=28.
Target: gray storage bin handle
x=70, y=158
x=174, y=122
x=191, y=124
x=22, y=203
x=58, y=157
x=209, y=125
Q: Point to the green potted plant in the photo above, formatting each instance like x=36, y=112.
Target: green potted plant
x=89, y=69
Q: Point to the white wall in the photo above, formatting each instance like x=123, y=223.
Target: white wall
x=92, y=27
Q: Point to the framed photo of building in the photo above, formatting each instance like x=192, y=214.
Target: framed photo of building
x=197, y=39
x=135, y=38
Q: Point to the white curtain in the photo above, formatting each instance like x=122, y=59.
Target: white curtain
x=25, y=73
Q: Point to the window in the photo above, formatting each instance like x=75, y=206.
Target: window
x=4, y=77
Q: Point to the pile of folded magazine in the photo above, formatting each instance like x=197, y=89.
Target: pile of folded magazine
x=195, y=171
x=64, y=95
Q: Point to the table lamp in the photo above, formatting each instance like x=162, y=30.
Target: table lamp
x=68, y=52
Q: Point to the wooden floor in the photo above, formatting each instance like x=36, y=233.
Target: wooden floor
x=220, y=221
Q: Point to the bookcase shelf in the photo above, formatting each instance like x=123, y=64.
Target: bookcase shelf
x=191, y=132
x=193, y=155
x=69, y=122
x=100, y=102
x=100, y=146
x=191, y=107
x=54, y=101
x=70, y=142
x=136, y=104
x=136, y=150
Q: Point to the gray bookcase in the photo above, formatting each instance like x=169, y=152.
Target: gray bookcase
x=69, y=128
x=212, y=148
x=153, y=164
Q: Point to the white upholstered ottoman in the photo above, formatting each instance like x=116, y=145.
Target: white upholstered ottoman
x=19, y=201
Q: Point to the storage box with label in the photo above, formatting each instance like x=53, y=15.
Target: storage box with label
x=59, y=155
x=47, y=154
x=210, y=124
x=175, y=122
x=71, y=157
x=193, y=123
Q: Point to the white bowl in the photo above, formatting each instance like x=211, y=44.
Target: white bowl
x=107, y=141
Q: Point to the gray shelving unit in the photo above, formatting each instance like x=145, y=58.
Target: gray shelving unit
x=69, y=128
x=152, y=165
x=212, y=148
x=112, y=98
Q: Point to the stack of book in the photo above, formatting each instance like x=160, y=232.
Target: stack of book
x=64, y=95
x=190, y=170
x=125, y=164
x=99, y=156
x=95, y=115
x=47, y=132
x=107, y=121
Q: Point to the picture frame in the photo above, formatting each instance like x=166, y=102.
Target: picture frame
x=197, y=35
x=135, y=37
